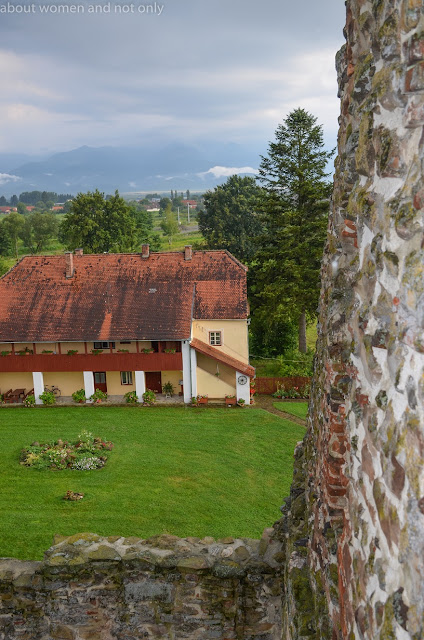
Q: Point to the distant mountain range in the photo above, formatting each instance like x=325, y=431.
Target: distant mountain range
x=175, y=166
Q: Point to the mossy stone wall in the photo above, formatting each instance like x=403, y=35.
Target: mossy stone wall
x=353, y=527
x=94, y=588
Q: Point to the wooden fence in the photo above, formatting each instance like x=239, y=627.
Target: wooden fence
x=270, y=385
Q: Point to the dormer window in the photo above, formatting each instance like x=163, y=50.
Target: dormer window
x=215, y=338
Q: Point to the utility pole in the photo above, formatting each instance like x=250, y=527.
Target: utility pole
x=188, y=213
x=178, y=215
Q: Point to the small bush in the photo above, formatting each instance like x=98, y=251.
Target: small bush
x=98, y=395
x=301, y=391
x=29, y=401
x=168, y=387
x=79, y=396
x=131, y=397
x=47, y=397
x=149, y=397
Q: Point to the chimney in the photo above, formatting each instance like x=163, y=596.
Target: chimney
x=79, y=252
x=69, y=261
x=145, y=250
x=188, y=252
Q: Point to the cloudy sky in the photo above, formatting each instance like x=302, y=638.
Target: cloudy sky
x=186, y=70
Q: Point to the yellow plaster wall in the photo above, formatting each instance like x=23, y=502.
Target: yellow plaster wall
x=132, y=348
x=114, y=386
x=48, y=346
x=174, y=377
x=234, y=335
x=67, y=381
x=74, y=346
x=15, y=381
x=210, y=384
x=20, y=346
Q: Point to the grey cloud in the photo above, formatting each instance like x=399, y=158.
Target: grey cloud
x=214, y=63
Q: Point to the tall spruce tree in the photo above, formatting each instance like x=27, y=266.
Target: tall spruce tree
x=294, y=218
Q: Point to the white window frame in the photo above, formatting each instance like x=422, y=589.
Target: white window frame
x=126, y=377
x=213, y=338
x=103, y=345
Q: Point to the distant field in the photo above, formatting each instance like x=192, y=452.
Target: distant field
x=186, y=471
x=182, y=239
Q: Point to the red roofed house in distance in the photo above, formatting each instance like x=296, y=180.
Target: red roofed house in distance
x=126, y=322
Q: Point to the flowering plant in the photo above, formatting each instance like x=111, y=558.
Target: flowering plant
x=86, y=453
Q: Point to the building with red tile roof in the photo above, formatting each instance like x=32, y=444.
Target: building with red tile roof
x=126, y=322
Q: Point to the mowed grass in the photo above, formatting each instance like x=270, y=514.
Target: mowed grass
x=185, y=471
x=299, y=409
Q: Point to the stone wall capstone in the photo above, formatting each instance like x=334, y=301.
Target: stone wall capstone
x=353, y=526
x=115, y=588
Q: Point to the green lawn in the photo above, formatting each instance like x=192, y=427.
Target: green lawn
x=185, y=471
x=299, y=409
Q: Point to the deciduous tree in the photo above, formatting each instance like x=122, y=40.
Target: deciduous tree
x=38, y=229
x=13, y=224
x=231, y=220
x=169, y=225
x=98, y=225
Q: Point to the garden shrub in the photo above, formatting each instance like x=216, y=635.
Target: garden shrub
x=79, y=396
x=29, y=401
x=149, y=397
x=86, y=453
x=98, y=395
x=131, y=397
x=48, y=397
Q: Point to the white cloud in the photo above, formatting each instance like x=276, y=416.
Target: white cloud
x=5, y=178
x=223, y=172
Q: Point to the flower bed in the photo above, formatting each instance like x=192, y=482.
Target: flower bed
x=295, y=391
x=85, y=454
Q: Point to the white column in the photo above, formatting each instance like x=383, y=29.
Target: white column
x=193, y=366
x=185, y=350
x=88, y=384
x=243, y=390
x=38, y=382
x=140, y=384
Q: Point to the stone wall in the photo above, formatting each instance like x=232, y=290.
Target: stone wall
x=350, y=544
x=353, y=527
x=93, y=588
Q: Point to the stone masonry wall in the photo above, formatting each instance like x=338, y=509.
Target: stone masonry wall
x=353, y=527
x=93, y=588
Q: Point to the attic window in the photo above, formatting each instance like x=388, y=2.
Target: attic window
x=152, y=290
x=104, y=345
x=215, y=338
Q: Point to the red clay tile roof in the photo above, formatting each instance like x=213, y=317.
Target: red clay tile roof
x=119, y=296
x=220, y=356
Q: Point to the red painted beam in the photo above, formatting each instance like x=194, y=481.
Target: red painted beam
x=101, y=362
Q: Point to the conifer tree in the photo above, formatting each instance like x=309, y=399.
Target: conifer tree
x=294, y=218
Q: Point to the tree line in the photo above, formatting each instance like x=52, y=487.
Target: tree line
x=94, y=222
x=34, y=198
